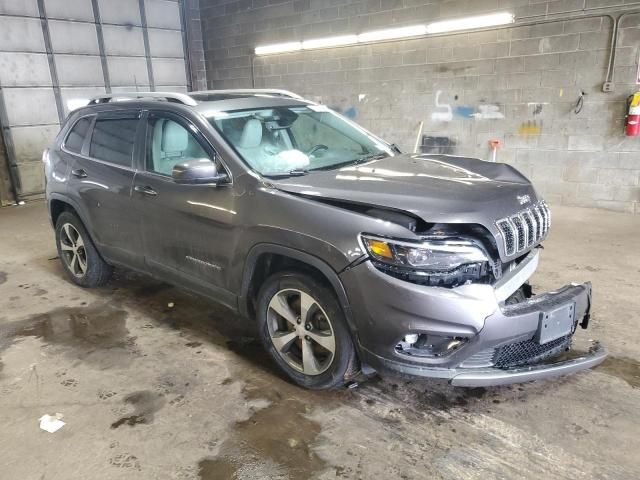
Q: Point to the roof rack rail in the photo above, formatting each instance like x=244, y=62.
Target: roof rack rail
x=167, y=96
x=251, y=91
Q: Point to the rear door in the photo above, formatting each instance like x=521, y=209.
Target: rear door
x=102, y=179
x=187, y=230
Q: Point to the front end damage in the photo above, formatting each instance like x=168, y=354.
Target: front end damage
x=474, y=334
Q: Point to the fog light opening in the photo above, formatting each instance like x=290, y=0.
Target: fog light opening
x=430, y=346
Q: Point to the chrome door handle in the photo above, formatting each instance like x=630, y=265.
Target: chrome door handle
x=80, y=173
x=146, y=190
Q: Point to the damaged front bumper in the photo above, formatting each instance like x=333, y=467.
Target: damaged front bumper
x=504, y=343
x=482, y=377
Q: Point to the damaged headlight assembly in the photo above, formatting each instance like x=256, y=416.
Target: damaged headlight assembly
x=432, y=262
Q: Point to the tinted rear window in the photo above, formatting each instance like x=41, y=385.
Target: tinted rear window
x=112, y=140
x=76, y=136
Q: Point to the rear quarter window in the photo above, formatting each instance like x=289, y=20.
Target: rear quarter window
x=112, y=140
x=75, y=138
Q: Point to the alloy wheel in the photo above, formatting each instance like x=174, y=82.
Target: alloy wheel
x=73, y=251
x=301, y=331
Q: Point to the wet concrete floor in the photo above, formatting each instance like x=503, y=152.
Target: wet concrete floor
x=150, y=390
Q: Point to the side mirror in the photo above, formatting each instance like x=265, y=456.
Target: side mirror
x=197, y=172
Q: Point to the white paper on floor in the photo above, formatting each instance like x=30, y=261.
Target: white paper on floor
x=51, y=423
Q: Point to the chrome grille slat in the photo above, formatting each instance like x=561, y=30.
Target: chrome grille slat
x=525, y=228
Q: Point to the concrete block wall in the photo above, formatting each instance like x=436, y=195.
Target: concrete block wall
x=519, y=85
x=55, y=54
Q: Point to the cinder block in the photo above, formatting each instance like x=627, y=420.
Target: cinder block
x=123, y=41
x=618, y=177
x=536, y=31
x=165, y=43
x=172, y=88
x=73, y=37
x=163, y=14
x=583, y=25
x=560, y=6
x=529, y=46
x=24, y=69
x=170, y=71
x=541, y=62
x=629, y=37
x=630, y=160
x=623, y=207
x=523, y=80
x=21, y=34
x=564, y=43
x=416, y=57
x=70, y=9
x=577, y=172
x=30, y=106
x=559, y=78
x=28, y=8
x=120, y=12
x=510, y=65
x=586, y=142
x=79, y=70
x=594, y=40
x=128, y=71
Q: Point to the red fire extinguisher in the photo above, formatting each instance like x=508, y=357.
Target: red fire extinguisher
x=633, y=115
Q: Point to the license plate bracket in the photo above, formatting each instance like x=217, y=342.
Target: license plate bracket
x=556, y=323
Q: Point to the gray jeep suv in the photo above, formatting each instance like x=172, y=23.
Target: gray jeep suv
x=349, y=254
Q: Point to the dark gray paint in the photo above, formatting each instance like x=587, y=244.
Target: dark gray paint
x=208, y=237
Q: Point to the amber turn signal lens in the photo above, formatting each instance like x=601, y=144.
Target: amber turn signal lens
x=379, y=248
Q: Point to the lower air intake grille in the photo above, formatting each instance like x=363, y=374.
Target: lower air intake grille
x=529, y=352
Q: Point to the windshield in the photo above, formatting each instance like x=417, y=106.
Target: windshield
x=294, y=140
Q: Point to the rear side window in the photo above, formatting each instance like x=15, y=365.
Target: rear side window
x=112, y=140
x=76, y=136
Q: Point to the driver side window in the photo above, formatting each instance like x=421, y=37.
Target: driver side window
x=170, y=143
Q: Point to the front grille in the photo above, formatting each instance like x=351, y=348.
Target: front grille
x=525, y=228
x=529, y=352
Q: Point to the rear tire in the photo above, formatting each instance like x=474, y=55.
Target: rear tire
x=303, y=328
x=81, y=261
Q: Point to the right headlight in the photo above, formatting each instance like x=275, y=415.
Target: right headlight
x=437, y=256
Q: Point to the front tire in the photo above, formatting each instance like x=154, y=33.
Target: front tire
x=81, y=261
x=304, y=330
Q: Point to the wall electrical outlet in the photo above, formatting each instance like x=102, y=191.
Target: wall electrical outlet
x=607, y=87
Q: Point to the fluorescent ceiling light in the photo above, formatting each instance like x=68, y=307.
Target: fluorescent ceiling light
x=279, y=48
x=468, y=23
x=330, y=42
x=392, y=33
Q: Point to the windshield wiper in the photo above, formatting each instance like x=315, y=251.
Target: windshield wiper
x=355, y=161
x=296, y=172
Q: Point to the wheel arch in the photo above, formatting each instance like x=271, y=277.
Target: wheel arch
x=60, y=203
x=260, y=264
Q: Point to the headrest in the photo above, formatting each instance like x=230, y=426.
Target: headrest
x=251, y=134
x=174, y=137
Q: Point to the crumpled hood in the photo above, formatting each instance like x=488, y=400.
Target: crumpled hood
x=436, y=188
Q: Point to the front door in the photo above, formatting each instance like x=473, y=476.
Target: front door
x=187, y=230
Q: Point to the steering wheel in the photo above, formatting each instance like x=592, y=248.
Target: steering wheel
x=317, y=148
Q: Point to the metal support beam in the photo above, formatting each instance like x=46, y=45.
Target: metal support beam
x=52, y=62
x=12, y=166
x=185, y=43
x=147, y=49
x=103, y=56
